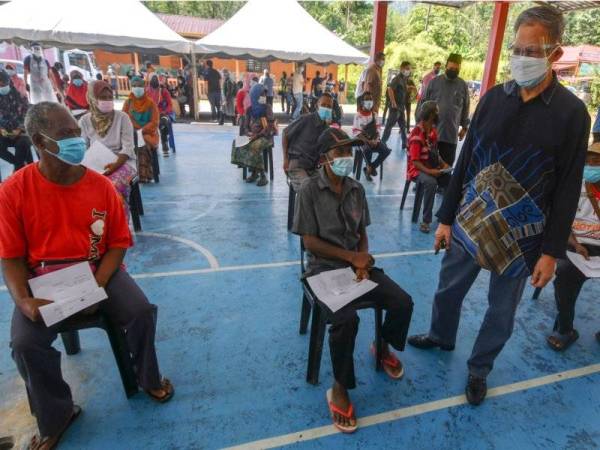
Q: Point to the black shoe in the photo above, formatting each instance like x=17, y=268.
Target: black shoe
x=422, y=341
x=374, y=172
x=252, y=178
x=476, y=390
x=367, y=175
x=262, y=181
x=598, y=336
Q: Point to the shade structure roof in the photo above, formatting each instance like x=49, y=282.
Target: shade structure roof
x=279, y=29
x=119, y=26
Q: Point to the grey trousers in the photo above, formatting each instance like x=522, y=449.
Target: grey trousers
x=458, y=272
x=430, y=185
x=39, y=363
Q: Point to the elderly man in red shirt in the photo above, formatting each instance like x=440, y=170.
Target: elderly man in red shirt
x=53, y=214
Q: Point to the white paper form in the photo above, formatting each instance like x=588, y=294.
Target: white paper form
x=98, y=156
x=337, y=288
x=140, y=138
x=71, y=290
x=590, y=268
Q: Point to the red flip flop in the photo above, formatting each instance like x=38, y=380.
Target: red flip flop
x=389, y=361
x=348, y=414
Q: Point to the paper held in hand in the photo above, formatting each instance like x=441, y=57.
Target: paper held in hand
x=337, y=288
x=98, y=156
x=590, y=268
x=71, y=290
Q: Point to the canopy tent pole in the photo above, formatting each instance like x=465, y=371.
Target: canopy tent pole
x=196, y=111
x=237, y=70
x=495, y=45
x=379, y=23
x=136, y=63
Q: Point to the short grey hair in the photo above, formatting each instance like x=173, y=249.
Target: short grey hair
x=547, y=16
x=39, y=117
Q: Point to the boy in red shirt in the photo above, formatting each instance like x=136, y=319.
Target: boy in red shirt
x=425, y=165
x=53, y=214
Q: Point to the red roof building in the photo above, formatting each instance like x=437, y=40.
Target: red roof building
x=190, y=27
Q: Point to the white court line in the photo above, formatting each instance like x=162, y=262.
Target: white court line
x=416, y=410
x=179, y=273
x=212, y=261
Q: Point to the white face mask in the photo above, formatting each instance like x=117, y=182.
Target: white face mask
x=37, y=51
x=368, y=105
x=262, y=100
x=406, y=72
x=527, y=71
x=380, y=63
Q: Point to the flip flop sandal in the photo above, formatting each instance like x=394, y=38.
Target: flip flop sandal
x=165, y=384
x=348, y=414
x=44, y=440
x=560, y=342
x=390, y=361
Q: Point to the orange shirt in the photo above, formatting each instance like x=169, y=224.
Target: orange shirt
x=44, y=221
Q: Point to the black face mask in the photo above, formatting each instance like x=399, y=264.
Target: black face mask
x=451, y=74
x=154, y=83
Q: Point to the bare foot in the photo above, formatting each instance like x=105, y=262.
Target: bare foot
x=341, y=399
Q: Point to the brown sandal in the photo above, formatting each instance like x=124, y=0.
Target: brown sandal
x=38, y=442
x=165, y=384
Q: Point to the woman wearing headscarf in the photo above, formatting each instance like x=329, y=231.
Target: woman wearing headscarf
x=77, y=92
x=144, y=116
x=161, y=97
x=15, y=79
x=261, y=128
x=114, y=130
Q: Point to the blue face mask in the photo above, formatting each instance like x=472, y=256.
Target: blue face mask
x=4, y=90
x=78, y=82
x=325, y=114
x=342, y=166
x=591, y=174
x=70, y=150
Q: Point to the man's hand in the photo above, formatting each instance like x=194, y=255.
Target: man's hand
x=435, y=172
x=582, y=251
x=462, y=133
x=442, y=234
x=30, y=307
x=362, y=274
x=362, y=260
x=109, y=169
x=3, y=132
x=543, y=271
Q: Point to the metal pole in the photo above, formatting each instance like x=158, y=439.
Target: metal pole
x=495, y=45
x=195, y=86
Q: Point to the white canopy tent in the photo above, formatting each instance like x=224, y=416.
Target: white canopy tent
x=278, y=29
x=118, y=26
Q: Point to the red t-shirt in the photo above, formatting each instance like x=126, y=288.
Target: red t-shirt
x=239, y=101
x=44, y=221
x=419, y=150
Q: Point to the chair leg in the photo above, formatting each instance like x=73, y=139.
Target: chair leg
x=291, y=204
x=305, y=314
x=404, y=194
x=123, y=358
x=135, y=209
x=140, y=203
x=381, y=173
x=244, y=173
x=271, y=171
x=378, y=338
x=155, y=166
x=417, y=204
x=315, y=347
x=537, y=293
x=266, y=159
x=71, y=342
x=359, y=164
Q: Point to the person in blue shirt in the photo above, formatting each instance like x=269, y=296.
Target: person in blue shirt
x=513, y=195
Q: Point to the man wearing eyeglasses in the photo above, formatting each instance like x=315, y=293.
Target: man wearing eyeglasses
x=513, y=195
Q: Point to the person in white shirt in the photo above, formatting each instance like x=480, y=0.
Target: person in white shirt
x=584, y=240
x=298, y=91
x=114, y=130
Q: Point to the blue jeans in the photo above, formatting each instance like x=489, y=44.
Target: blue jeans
x=457, y=274
x=298, y=98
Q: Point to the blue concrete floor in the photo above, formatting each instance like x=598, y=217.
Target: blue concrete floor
x=227, y=336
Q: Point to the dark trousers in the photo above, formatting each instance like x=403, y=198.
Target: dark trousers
x=270, y=100
x=430, y=185
x=39, y=363
x=344, y=325
x=22, y=155
x=382, y=150
x=447, y=152
x=214, y=99
x=395, y=116
x=567, y=285
x=457, y=274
